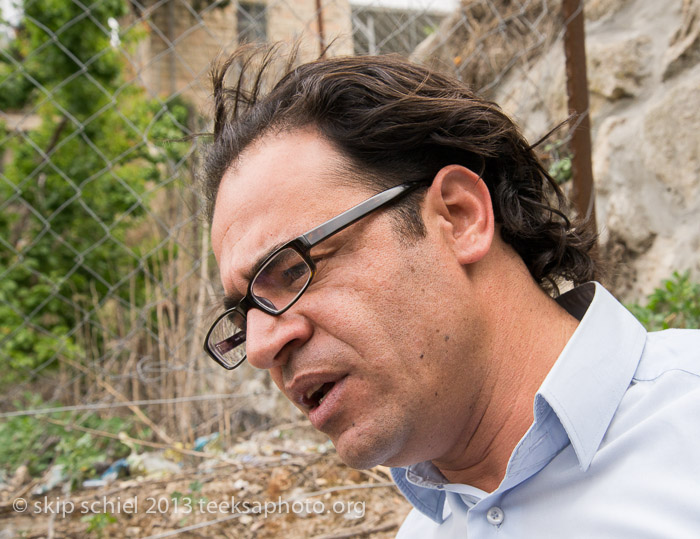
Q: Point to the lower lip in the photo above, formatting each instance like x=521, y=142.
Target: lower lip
x=320, y=415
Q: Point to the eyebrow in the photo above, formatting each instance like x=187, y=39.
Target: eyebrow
x=231, y=300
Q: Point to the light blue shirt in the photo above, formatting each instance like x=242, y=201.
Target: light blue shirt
x=613, y=452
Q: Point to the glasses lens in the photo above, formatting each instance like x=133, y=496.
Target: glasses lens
x=227, y=339
x=281, y=280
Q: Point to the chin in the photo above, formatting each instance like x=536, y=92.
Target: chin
x=363, y=453
x=359, y=461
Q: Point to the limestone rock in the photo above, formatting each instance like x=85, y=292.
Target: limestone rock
x=617, y=68
x=685, y=44
x=647, y=170
x=623, y=215
x=644, y=75
x=671, y=133
x=596, y=10
x=536, y=100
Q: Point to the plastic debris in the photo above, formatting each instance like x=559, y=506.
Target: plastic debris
x=117, y=468
x=55, y=476
x=151, y=464
x=201, y=442
x=94, y=483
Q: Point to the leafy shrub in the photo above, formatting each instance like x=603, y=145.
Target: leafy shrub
x=74, y=187
x=38, y=443
x=558, y=160
x=676, y=304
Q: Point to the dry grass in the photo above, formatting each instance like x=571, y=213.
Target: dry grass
x=482, y=40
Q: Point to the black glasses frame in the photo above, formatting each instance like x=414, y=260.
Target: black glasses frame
x=303, y=245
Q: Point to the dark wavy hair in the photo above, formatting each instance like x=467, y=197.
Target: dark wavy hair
x=396, y=121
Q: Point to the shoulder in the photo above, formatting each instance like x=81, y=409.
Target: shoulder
x=651, y=444
x=665, y=389
x=670, y=351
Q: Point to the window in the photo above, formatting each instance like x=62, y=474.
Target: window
x=252, y=22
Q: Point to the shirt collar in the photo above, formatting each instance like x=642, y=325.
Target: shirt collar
x=583, y=388
x=587, y=382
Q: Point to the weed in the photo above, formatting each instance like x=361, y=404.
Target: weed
x=98, y=523
x=40, y=441
x=675, y=304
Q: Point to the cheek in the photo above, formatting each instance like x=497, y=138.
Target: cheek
x=376, y=301
x=385, y=303
x=276, y=375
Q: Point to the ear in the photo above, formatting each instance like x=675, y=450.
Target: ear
x=461, y=202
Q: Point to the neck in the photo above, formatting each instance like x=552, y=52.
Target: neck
x=528, y=332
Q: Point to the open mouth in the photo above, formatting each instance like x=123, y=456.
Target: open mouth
x=315, y=395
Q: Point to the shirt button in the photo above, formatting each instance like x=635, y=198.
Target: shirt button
x=495, y=516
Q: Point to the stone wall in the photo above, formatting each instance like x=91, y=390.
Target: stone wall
x=644, y=76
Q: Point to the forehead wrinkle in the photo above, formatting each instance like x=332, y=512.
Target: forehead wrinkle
x=246, y=271
x=255, y=146
x=335, y=174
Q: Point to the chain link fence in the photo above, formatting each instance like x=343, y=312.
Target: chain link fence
x=106, y=278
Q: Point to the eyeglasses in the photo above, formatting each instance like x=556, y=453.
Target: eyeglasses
x=283, y=277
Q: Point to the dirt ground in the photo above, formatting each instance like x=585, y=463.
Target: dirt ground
x=280, y=483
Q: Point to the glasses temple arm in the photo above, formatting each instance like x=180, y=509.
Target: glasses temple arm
x=354, y=214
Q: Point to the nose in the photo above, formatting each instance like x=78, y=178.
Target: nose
x=271, y=339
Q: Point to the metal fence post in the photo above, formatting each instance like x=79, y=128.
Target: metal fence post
x=321, y=33
x=577, y=91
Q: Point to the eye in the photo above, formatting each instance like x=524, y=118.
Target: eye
x=281, y=279
x=295, y=272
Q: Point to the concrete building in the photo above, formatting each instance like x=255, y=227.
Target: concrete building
x=185, y=35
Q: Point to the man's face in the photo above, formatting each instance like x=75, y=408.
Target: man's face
x=378, y=334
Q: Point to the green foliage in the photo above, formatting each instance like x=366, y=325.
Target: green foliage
x=676, y=304
x=39, y=443
x=78, y=457
x=98, y=523
x=55, y=41
x=77, y=184
x=190, y=500
x=62, y=39
x=561, y=170
x=560, y=167
x=16, y=88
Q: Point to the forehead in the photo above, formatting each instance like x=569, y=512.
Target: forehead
x=280, y=187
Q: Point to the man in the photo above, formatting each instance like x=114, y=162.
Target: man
x=387, y=241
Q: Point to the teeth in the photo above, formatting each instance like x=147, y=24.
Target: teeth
x=322, y=399
x=313, y=390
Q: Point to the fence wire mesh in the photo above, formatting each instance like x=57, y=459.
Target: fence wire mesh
x=106, y=277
